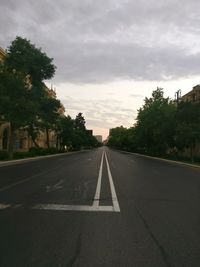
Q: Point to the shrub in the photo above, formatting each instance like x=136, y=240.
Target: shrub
x=4, y=155
x=22, y=155
x=38, y=151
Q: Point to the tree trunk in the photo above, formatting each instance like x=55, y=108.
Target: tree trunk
x=58, y=142
x=47, y=135
x=11, y=141
x=32, y=134
x=192, y=153
x=34, y=142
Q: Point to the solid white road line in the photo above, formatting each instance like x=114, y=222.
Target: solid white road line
x=63, y=207
x=60, y=207
x=73, y=207
x=112, y=187
x=98, y=189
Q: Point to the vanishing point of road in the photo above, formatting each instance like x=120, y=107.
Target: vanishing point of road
x=99, y=208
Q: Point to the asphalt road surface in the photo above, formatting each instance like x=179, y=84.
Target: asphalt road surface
x=99, y=208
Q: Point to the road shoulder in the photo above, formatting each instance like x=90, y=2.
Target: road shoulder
x=161, y=159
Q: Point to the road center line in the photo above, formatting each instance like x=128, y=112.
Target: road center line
x=73, y=207
x=112, y=187
x=98, y=189
x=95, y=207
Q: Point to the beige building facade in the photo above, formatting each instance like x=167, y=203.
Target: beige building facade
x=192, y=96
x=2, y=54
x=22, y=141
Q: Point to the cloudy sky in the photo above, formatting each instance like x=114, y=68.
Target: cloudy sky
x=110, y=54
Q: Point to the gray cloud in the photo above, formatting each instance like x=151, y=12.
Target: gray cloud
x=98, y=113
x=101, y=41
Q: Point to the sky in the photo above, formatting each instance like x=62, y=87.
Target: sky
x=110, y=54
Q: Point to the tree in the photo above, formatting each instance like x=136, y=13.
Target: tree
x=26, y=58
x=79, y=123
x=15, y=105
x=81, y=136
x=188, y=126
x=65, y=131
x=118, y=138
x=79, y=131
x=72, y=133
x=155, y=124
x=49, y=115
x=21, y=85
x=37, y=94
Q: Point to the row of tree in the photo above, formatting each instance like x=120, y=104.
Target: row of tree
x=26, y=102
x=72, y=133
x=162, y=127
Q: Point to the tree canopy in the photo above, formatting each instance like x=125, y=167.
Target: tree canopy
x=162, y=127
x=187, y=133
x=27, y=102
x=155, y=123
x=30, y=60
x=21, y=87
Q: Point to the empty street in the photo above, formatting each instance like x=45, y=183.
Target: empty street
x=99, y=208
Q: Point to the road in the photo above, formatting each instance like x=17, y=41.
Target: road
x=99, y=208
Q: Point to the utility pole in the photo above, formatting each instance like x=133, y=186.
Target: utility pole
x=178, y=96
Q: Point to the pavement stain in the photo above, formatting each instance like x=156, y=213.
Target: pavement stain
x=77, y=251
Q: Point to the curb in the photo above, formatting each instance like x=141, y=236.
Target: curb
x=161, y=159
x=19, y=161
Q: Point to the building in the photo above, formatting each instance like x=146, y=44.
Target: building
x=192, y=96
x=2, y=54
x=99, y=138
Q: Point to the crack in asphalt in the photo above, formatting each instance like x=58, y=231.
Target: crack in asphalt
x=163, y=253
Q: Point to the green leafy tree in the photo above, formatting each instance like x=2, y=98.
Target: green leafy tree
x=65, y=132
x=72, y=133
x=118, y=138
x=188, y=126
x=155, y=124
x=81, y=136
x=30, y=60
x=22, y=75
x=15, y=101
x=79, y=122
x=37, y=94
x=49, y=115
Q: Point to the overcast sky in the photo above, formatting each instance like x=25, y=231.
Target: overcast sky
x=110, y=54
